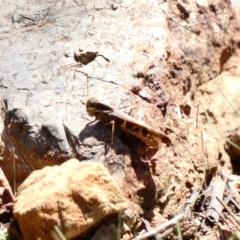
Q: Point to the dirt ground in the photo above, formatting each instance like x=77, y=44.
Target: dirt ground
x=219, y=99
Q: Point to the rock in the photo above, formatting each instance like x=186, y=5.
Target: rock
x=44, y=96
x=233, y=147
x=57, y=55
x=233, y=182
x=73, y=196
x=106, y=232
x=7, y=198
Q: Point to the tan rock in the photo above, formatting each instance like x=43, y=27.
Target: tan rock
x=73, y=196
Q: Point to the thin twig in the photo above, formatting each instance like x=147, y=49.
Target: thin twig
x=162, y=227
x=165, y=234
x=11, y=140
x=231, y=220
x=224, y=220
x=197, y=115
x=14, y=172
x=191, y=201
x=229, y=210
x=205, y=164
x=235, y=203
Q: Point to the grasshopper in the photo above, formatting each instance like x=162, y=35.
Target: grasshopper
x=112, y=115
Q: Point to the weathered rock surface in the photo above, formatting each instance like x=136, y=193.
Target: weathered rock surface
x=223, y=117
x=150, y=54
x=73, y=196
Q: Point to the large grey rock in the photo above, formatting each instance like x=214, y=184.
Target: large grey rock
x=150, y=54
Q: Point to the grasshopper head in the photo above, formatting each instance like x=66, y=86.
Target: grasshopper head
x=91, y=106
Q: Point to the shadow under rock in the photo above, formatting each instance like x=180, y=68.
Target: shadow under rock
x=140, y=156
x=234, y=152
x=97, y=144
x=144, y=169
x=96, y=131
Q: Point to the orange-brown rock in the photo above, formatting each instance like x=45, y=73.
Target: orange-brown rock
x=6, y=198
x=73, y=197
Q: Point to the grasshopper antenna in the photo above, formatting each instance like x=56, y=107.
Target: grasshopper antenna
x=87, y=87
x=86, y=96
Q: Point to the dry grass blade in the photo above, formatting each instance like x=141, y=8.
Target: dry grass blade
x=220, y=90
x=179, y=232
x=210, y=121
x=59, y=233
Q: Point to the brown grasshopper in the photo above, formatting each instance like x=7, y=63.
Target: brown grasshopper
x=112, y=115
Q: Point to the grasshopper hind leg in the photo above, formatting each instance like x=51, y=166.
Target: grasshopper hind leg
x=113, y=129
